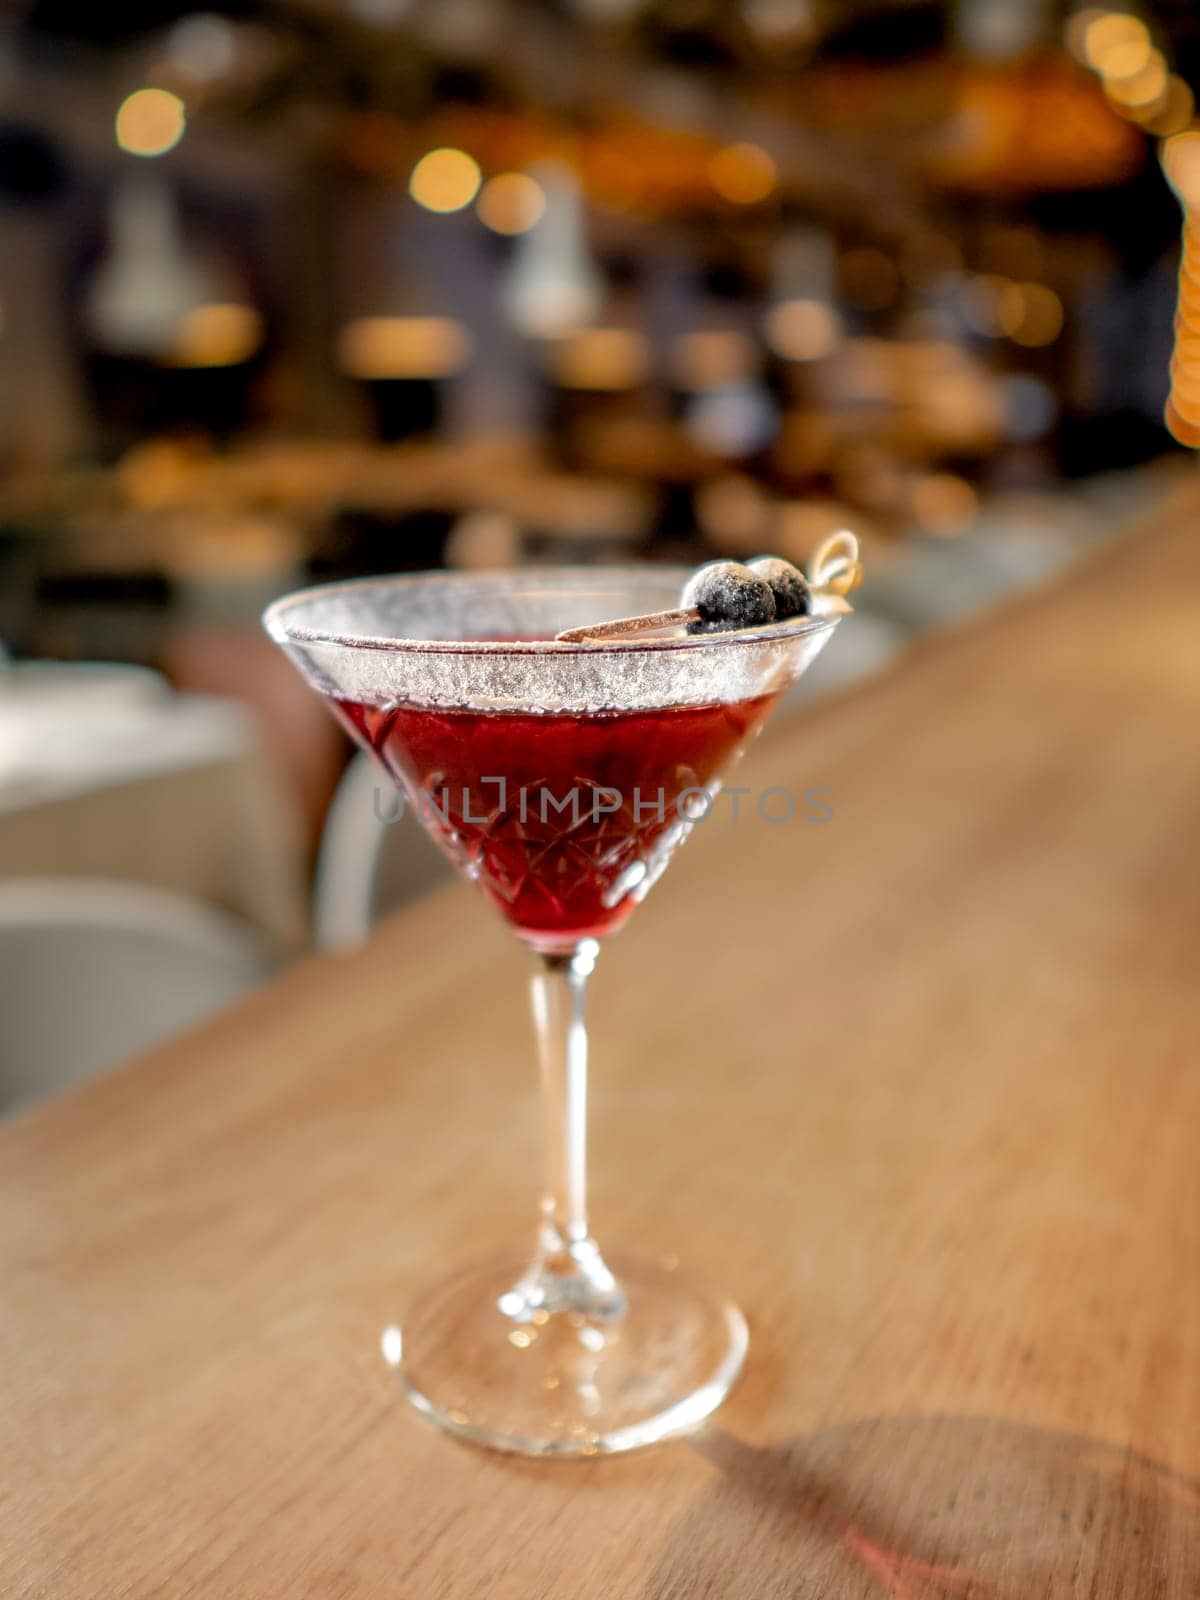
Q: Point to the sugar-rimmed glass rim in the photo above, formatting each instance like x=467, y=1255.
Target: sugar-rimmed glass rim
x=552, y=580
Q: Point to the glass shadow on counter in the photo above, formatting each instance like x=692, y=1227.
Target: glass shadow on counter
x=933, y=1508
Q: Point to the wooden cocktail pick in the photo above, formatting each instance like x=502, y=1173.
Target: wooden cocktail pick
x=652, y=622
x=834, y=571
x=836, y=567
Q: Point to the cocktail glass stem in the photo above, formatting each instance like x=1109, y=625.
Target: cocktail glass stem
x=568, y=1273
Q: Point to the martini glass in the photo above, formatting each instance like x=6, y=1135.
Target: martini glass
x=560, y=778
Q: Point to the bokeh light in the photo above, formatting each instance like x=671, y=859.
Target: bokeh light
x=1115, y=37
x=981, y=300
x=944, y=504
x=1186, y=429
x=1173, y=113
x=1075, y=30
x=150, y=122
x=743, y=174
x=445, y=180
x=781, y=22
x=202, y=47
x=511, y=202
x=1145, y=87
x=220, y=334
x=483, y=540
x=732, y=422
x=733, y=513
x=1128, y=56
x=1185, y=389
x=1030, y=314
x=602, y=359
x=376, y=348
x=802, y=330
x=1039, y=319
x=1181, y=163
x=713, y=358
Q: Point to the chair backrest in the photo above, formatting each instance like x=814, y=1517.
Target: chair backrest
x=92, y=971
x=374, y=856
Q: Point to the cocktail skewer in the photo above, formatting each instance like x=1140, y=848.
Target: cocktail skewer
x=836, y=567
x=652, y=622
x=834, y=571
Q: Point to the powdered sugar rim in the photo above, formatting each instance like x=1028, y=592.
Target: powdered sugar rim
x=276, y=624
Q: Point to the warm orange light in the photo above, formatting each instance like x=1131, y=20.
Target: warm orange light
x=733, y=512
x=511, y=202
x=1185, y=389
x=482, y=540
x=784, y=23
x=1113, y=36
x=602, y=358
x=983, y=303
x=1181, y=427
x=1185, y=361
x=1144, y=87
x=743, y=174
x=802, y=330
x=1028, y=313
x=1125, y=60
x=1041, y=316
x=220, y=334
x=713, y=358
x=150, y=122
x=1010, y=308
x=944, y=504
x=1173, y=113
x=1181, y=163
x=376, y=348
x=1076, y=27
x=445, y=180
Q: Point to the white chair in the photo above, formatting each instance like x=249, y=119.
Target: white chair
x=373, y=857
x=92, y=971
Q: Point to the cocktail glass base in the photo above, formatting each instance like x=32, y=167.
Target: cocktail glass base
x=474, y=1358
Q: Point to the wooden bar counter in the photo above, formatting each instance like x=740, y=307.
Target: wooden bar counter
x=920, y=1087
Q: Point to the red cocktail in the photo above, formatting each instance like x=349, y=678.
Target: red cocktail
x=559, y=774
x=565, y=820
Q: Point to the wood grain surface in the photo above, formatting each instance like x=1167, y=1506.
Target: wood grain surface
x=920, y=1086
